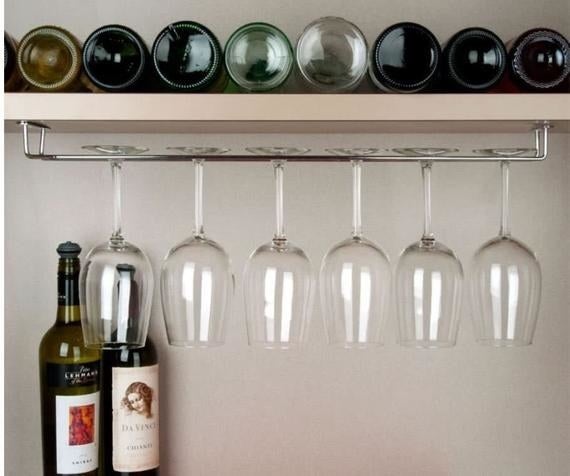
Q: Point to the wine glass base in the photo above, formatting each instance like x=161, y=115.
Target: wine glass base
x=427, y=345
x=114, y=346
x=275, y=345
x=503, y=342
x=194, y=345
x=357, y=345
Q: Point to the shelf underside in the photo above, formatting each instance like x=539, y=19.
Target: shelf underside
x=287, y=113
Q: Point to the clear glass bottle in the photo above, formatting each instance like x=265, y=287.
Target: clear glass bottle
x=258, y=57
x=539, y=60
x=116, y=59
x=332, y=55
x=69, y=381
x=49, y=59
x=187, y=57
x=405, y=58
x=474, y=59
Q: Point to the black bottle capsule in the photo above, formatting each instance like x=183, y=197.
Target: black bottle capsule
x=115, y=58
x=405, y=58
x=474, y=59
x=539, y=60
x=187, y=57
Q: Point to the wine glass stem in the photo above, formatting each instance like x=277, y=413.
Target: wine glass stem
x=356, y=198
x=117, y=200
x=505, y=219
x=278, y=166
x=198, y=197
x=426, y=175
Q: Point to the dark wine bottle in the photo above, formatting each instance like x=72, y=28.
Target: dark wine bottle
x=474, y=59
x=187, y=57
x=49, y=59
x=539, y=60
x=69, y=381
x=129, y=416
x=115, y=58
x=405, y=58
x=12, y=79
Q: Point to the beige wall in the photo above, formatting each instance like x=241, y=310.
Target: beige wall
x=321, y=411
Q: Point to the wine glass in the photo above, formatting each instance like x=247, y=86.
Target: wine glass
x=278, y=285
x=354, y=282
x=116, y=283
x=428, y=284
x=196, y=283
x=506, y=279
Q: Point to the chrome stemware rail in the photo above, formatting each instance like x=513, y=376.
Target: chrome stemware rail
x=540, y=133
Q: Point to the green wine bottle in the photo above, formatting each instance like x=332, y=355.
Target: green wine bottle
x=129, y=411
x=69, y=381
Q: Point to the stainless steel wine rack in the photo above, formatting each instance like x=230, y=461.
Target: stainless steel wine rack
x=539, y=131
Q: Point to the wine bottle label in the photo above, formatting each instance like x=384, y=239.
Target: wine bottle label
x=73, y=375
x=135, y=418
x=77, y=433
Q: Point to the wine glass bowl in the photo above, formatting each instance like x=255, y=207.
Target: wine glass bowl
x=196, y=284
x=505, y=286
x=428, y=290
x=277, y=283
x=355, y=281
x=116, y=304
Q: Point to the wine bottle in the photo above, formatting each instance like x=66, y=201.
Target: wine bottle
x=187, y=57
x=405, y=58
x=539, y=60
x=258, y=57
x=474, y=59
x=130, y=414
x=332, y=55
x=69, y=381
x=12, y=78
x=115, y=58
x=49, y=59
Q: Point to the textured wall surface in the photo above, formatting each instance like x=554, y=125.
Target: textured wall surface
x=233, y=410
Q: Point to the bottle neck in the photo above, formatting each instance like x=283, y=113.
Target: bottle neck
x=68, y=291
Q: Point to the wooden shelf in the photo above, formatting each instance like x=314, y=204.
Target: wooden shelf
x=287, y=113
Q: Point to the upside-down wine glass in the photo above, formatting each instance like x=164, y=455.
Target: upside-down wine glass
x=278, y=284
x=428, y=285
x=116, y=283
x=506, y=279
x=196, y=283
x=355, y=282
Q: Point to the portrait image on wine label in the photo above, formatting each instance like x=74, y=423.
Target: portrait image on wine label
x=135, y=418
